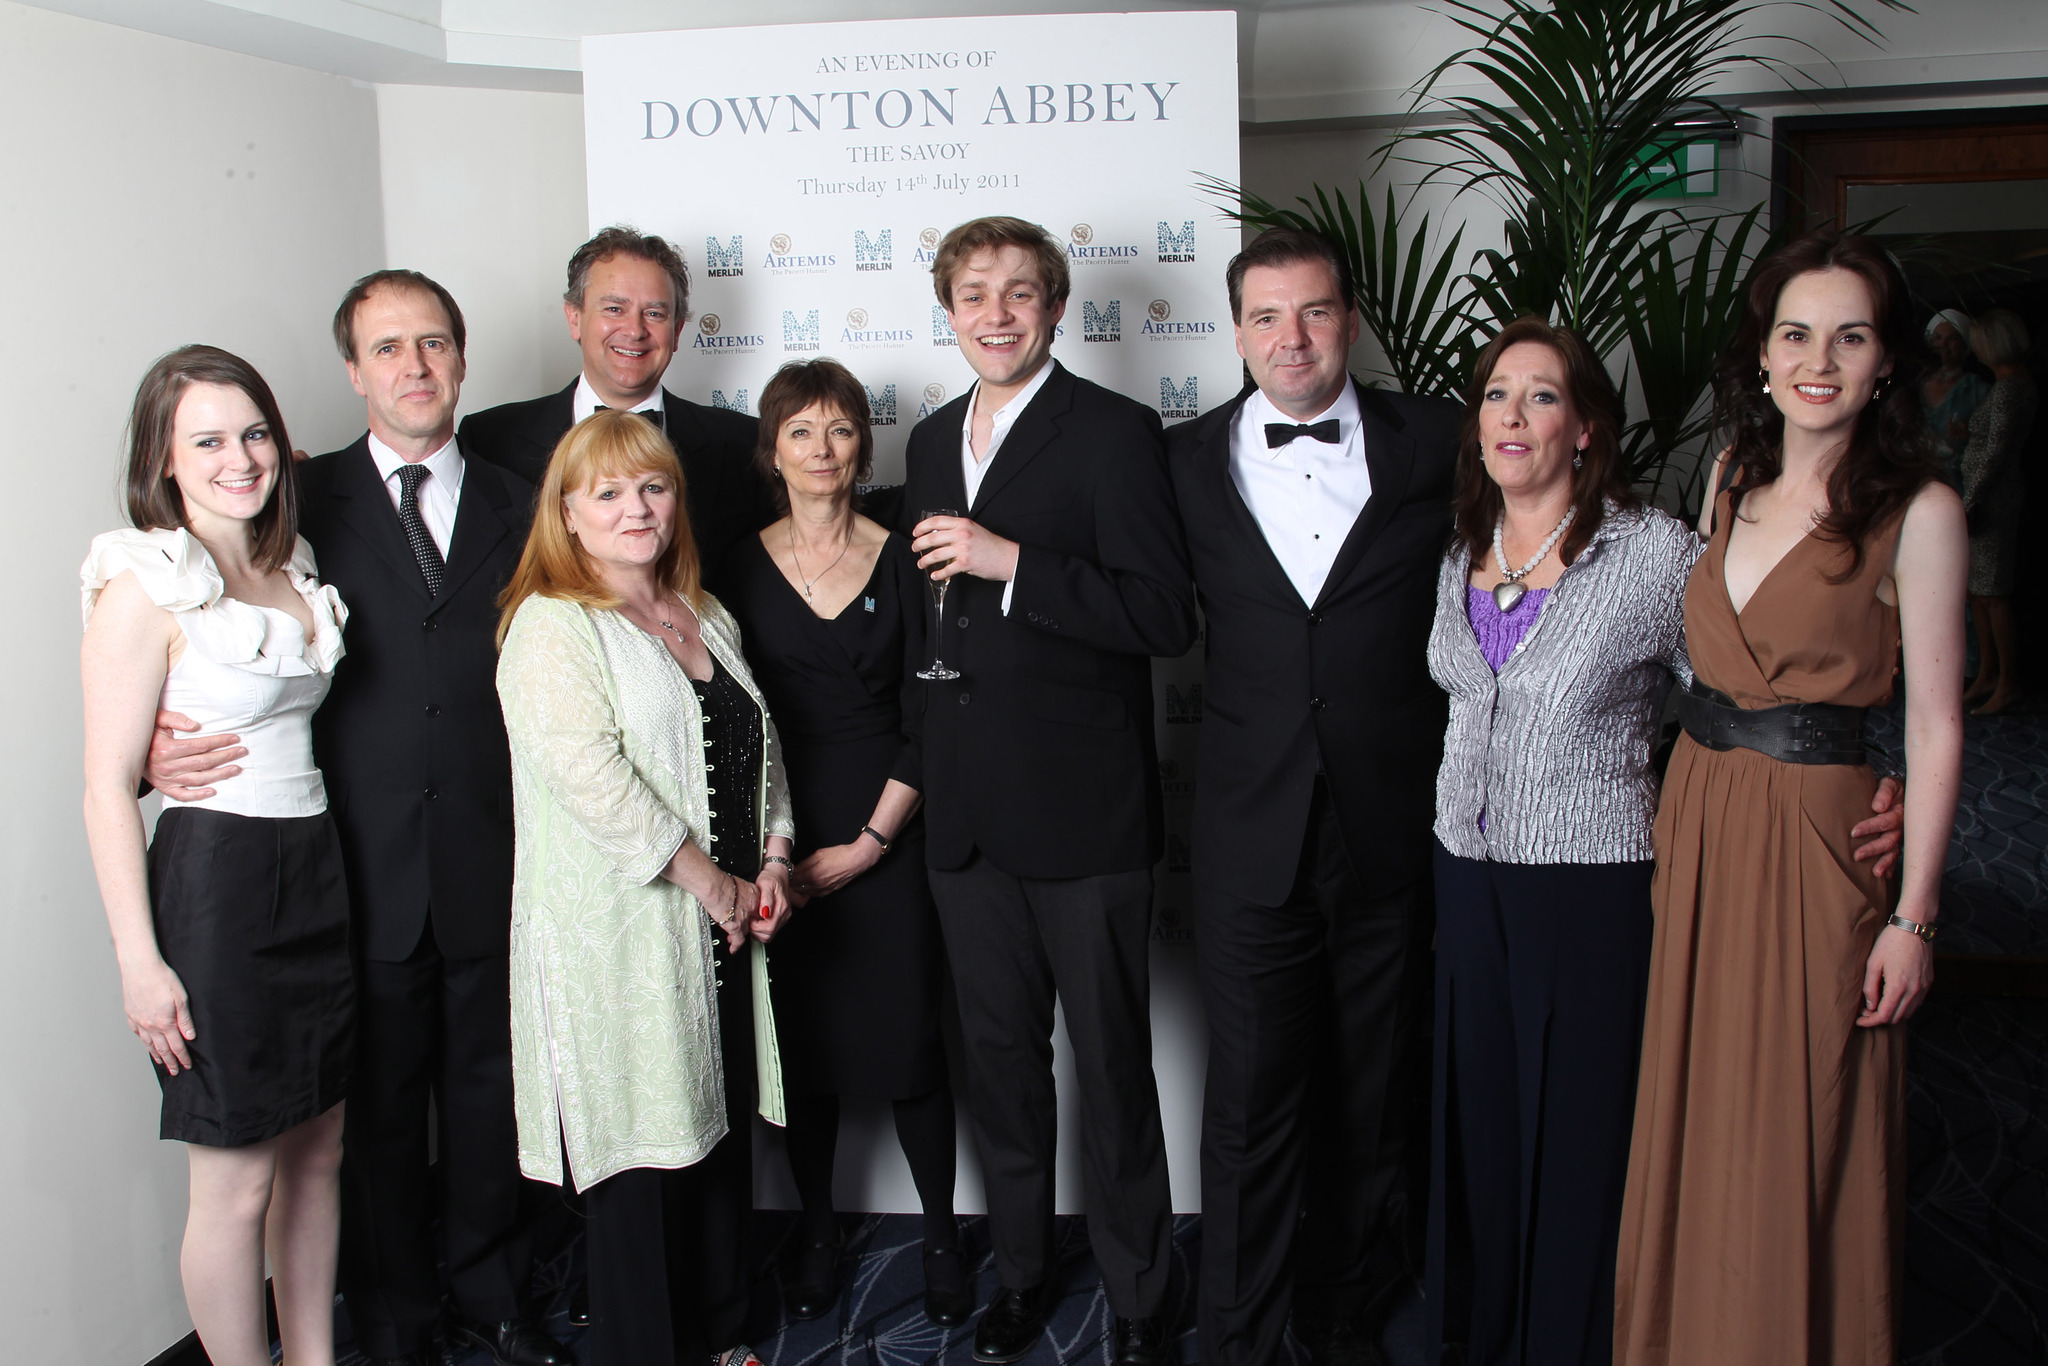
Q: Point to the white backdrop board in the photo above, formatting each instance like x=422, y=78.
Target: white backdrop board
x=807, y=172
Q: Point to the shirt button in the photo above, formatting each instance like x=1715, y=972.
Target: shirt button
x=431, y=793
x=1315, y=618
x=433, y=709
x=1315, y=704
x=429, y=625
x=963, y=699
x=963, y=623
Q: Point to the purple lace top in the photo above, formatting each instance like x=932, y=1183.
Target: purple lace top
x=1500, y=632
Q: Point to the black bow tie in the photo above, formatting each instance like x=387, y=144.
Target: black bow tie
x=654, y=415
x=1280, y=433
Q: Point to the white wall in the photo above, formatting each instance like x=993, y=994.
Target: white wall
x=157, y=193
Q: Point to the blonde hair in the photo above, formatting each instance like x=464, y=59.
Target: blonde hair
x=606, y=445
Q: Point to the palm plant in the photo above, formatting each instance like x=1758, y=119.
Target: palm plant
x=1581, y=93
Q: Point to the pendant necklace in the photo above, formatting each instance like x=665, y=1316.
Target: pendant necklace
x=812, y=583
x=1509, y=592
x=670, y=627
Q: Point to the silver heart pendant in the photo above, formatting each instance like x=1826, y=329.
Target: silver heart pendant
x=1507, y=595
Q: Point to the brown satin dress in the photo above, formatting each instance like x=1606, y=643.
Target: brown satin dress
x=1762, y=1218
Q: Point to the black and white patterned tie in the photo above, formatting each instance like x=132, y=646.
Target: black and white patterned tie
x=432, y=566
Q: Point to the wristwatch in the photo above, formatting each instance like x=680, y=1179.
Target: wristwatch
x=1913, y=927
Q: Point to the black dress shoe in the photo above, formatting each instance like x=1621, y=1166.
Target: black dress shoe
x=814, y=1285
x=1141, y=1342
x=1010, y=1326
x=513, y=1342
x=947, y=1301
x=579, y=1304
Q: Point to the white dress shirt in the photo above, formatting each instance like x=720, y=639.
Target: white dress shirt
x=440, y=491
x=587, y=402
x=1000, y=422
x=1306, y=494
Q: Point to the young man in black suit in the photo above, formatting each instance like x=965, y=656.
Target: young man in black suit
x=628, y=298
x=1316, y=513
x=1066, y=572
x=419, y=541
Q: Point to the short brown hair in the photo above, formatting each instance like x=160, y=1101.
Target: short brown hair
x=1999, y=337
x=1599, y=479
x=607, y=444
x=620, y=240
x=154, y=502
x=795, y=387
x=991, y=234
x=1284, y=247
x=345, y=316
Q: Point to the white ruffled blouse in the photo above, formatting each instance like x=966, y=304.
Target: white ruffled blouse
x=245, y=670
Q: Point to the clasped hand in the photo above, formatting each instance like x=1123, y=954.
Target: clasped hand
x=947, y=546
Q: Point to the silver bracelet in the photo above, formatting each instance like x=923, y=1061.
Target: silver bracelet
x=777, y=858
x=1913, y=927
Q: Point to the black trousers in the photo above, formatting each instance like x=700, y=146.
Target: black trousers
x=1015, y=944
x=1315, y=1010
x=431, y=1031
x=1541, y=975
x=667, y=1249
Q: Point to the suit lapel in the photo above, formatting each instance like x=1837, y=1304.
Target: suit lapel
x=1032, y=432
x=480, y=524
x=365, y=506
x=1390, y=459
x=950, y=480
x=1214, y=464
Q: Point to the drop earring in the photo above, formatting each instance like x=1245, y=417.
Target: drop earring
x=1767, y=380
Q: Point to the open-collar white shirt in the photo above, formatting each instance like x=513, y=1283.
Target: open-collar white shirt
x=973, y=471
x=1304, y=494
x=440, y=491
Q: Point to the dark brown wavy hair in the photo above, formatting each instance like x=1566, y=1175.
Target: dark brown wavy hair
x=1595, y=483
x=1889, y=457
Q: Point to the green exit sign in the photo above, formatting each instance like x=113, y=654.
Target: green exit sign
x=1680, y=170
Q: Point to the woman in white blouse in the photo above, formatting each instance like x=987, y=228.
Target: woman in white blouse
x=652, y=826
x=231, y=928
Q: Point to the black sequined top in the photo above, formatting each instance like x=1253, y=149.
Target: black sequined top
x=733, y=741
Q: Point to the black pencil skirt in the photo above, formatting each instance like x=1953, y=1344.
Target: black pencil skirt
x=252, y=914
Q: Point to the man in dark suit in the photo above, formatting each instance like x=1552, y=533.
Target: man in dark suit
x=1316, y=513
x=419, y=541
x=628, y=298
x=1042, y=806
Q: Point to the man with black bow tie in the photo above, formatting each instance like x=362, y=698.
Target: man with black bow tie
x=627, y=300
x=1316, y=511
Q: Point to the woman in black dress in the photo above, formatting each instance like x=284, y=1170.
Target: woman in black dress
x=831, y=610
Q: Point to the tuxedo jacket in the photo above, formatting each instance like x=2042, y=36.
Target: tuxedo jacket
x=410, y=739
x=727, y=497
x=1041, y=755
x=1341, y=683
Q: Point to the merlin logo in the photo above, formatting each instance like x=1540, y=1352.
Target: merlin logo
x=712, y=336
x=1173, y=402
x=878, y=253
x=736, y=404
x=942, y=328
x=1184, y=709
x=882, y=407
x=1105, y=324
x=730, y=259
x=1159, y=310
x=801, y=336
x=1156, y=324
x=1177, y=246
x=927, y=247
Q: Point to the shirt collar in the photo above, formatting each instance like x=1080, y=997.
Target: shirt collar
x=445, y=464
x=1011, y=411
x=587, y=402
x=1259, y=410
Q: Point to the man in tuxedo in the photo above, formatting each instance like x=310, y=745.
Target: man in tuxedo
x=418, y=541
x=1042, y=501
x=628, y=298
x=1316, y=513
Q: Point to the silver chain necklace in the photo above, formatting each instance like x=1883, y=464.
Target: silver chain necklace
x=1508, y=593
x=671, y=627
x=811, y=583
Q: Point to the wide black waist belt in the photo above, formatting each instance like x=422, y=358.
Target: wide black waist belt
x=1797, y=733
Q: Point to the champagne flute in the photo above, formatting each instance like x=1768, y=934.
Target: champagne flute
x=938, y=672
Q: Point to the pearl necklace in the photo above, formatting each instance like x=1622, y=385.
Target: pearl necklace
x=1508, y=593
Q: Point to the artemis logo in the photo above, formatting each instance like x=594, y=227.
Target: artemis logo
x=856, y=333
x=736, y=404
x=1156, y=324
x=927, y=247
x=1081, y=247
x=1159, y=310
x=878, y=253
x=1184, y=709
x=934, y=395
x=709, y=324
x=730, y=259
x=882, y=407
x=856, y=318
x=779, y=244
x=1174, y=402
x=942, y=328
x=801, y=336
x=712, y=336
x=1177, y=246
x=1170, y=781
x=1081, y=234
x=781, y=260
x=1105, y=324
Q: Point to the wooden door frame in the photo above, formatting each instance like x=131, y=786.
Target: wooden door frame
x=1789, y=133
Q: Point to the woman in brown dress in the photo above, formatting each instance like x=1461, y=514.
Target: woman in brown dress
x=1764, y=1201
